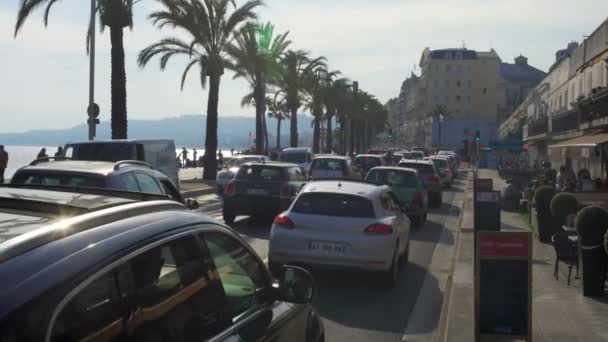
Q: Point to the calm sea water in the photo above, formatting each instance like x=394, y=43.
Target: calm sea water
x=19, y=156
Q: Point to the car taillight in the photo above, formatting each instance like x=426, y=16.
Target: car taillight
x=285, y=191
x=379, y=228
x=230, y=189
x=283, y=221
x=418, y=197
x=433, y=177
x=447, y=170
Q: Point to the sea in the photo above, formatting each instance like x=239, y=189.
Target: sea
x=19, y=156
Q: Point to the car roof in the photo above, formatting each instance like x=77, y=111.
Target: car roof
x=296, y=149
x=369, y=155
x=394, y=168
x=241, y=156
x=117, y=141
x=271, y=163
x=347, y=187
x=417, y=161
x=79, y=166
x=331, y=156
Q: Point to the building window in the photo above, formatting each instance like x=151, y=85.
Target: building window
x=485, y=90
x=459, y=55
x=468, y=99
x=590, y=82
x=567, y=99
x=447, y=98
x=458, y=84
x=436, y=83
x=469, y=84
x=457, y=97
x=448, y=67
x=447, y=83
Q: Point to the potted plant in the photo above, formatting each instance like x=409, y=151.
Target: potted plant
x=591, y=224
x=542, y=202
x=563, y=205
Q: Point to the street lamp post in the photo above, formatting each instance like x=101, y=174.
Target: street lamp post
x=93, y=108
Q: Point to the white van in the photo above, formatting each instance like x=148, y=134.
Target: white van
x=302, y=156
x=158, y=153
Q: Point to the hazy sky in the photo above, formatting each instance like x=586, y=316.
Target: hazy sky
x=44, y=72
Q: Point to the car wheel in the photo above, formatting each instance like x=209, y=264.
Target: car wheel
x=388, y=278
x=228, y=216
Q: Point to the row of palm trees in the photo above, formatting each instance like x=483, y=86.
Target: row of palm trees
x=222, y=35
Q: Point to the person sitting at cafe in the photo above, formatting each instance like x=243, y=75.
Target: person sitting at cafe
x=585, y=182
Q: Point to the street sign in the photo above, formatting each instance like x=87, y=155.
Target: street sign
x=486, y=210
x=483, y=184
x=503, y=286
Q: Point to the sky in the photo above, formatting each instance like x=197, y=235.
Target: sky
x=44, y=71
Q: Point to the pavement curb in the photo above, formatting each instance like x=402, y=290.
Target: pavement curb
x=197, y=192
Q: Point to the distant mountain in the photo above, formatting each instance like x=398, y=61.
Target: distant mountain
x=186, y=130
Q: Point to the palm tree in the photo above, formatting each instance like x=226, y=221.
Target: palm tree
x=116, y=15
x=211, y=29
x=255, y=56
x=277, y=108
x=438, y=113
x=335, y=90
x=295, y=68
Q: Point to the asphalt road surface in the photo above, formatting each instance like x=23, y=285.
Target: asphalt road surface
x=353, y=307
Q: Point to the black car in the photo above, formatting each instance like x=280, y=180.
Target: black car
x=262, y=189
x=84, y=266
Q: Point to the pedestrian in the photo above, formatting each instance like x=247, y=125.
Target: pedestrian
x=194, y=160
x=231, y=151
x=220, y=158
x=3, y=162
x=184, y=157
x=42, y=154
x=59, y=153
x=561, y=178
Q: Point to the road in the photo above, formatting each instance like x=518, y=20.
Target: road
x=353, y=307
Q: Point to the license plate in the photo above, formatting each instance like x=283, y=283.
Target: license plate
x=327, y=247
x=257, y=192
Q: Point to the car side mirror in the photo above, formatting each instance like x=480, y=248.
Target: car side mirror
x=296, y=285
x=192, y=204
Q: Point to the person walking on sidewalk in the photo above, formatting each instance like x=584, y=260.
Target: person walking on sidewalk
x=184, y=157
x=194, y=160
x=3, y=162
x=42, y=154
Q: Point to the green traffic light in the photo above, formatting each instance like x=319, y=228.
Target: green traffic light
x=477, y=139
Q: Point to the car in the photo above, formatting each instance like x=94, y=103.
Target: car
x=261, y=189
x=128, y=175
x=90, y=266
x=366, y=162
x=226, y=175
x=424, y=150
x=344, y=225
x=416, y=155
x=333, y=167
x=302, y=156
x=160, y=154
x=442, y=164
x=429, y=175
x=407, y=186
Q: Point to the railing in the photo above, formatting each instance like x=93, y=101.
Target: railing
x=539, y=126
x=595, y=106
x=565, y=121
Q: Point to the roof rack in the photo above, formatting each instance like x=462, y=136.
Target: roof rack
x=137, y=196
x=62, y=229
x=48, y=159
x=118, y=164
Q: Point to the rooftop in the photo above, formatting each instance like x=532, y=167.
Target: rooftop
x=344, y=187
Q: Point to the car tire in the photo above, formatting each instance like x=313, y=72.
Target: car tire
x=228, y=217
x=388, y=278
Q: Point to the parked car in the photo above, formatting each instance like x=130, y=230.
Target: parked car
x=442, y=164
x=407, y=186
x=128, y=175
x=430, y=177
x=301, y=156
x=160, y=154
x=261, y=189
x=425, y=151
x=79, y=267
x=366, y=162
x=226, y=175
x=333, y=167
x=343, y=224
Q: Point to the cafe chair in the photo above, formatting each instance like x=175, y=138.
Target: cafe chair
x=565, y=251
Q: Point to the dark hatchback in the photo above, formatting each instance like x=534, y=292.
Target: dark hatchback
x=262, y=189
x=429, y=175
x=89, y=267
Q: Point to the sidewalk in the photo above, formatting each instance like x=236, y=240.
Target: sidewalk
x=559, y=311
x=191, y=183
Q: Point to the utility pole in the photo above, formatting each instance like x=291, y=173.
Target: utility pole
x=352, y=120
x=93, y=108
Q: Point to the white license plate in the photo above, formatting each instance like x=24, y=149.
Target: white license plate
x=327, y=247
x=257, y=192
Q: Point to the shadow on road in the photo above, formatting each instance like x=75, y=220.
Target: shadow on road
x=354, y=299
x=255, y=227
x=430, y=232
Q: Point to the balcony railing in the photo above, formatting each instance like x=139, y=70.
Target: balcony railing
x=565, y=121
x=595, y=106
x=539, y=126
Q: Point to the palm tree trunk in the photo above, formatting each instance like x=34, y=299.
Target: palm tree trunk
x=279, y=119
x=352, y=137
x=342, y=142
x=294, y=127
x=439, y=129
x=210, y=163
x=118, y=84
x=259, y=136
x=316, y=134
x=328, y=137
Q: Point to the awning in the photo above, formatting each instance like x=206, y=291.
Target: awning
x=584, y=141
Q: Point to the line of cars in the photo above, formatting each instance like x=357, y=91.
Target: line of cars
x=109, y=250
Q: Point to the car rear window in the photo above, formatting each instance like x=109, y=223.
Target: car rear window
x=425, y=169
x=293, y=157
x=329, y=164
x=440, y=163
x=59, y=179
x=329, y=204
x=393, y=178
x=261, y=172
x=367, y=162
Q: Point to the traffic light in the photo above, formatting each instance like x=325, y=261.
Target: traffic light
x=477, y=136
x=390, y=133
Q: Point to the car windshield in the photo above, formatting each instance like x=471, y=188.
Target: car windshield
x=392, y=178
x=328, y=164
x=291, y=157
x=261, y=172
x=425, y=169
x=58, y=179
x=236, y=162
x=331, y=204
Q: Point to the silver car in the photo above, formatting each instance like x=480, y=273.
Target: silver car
x=343, y=224
x=226, y=175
